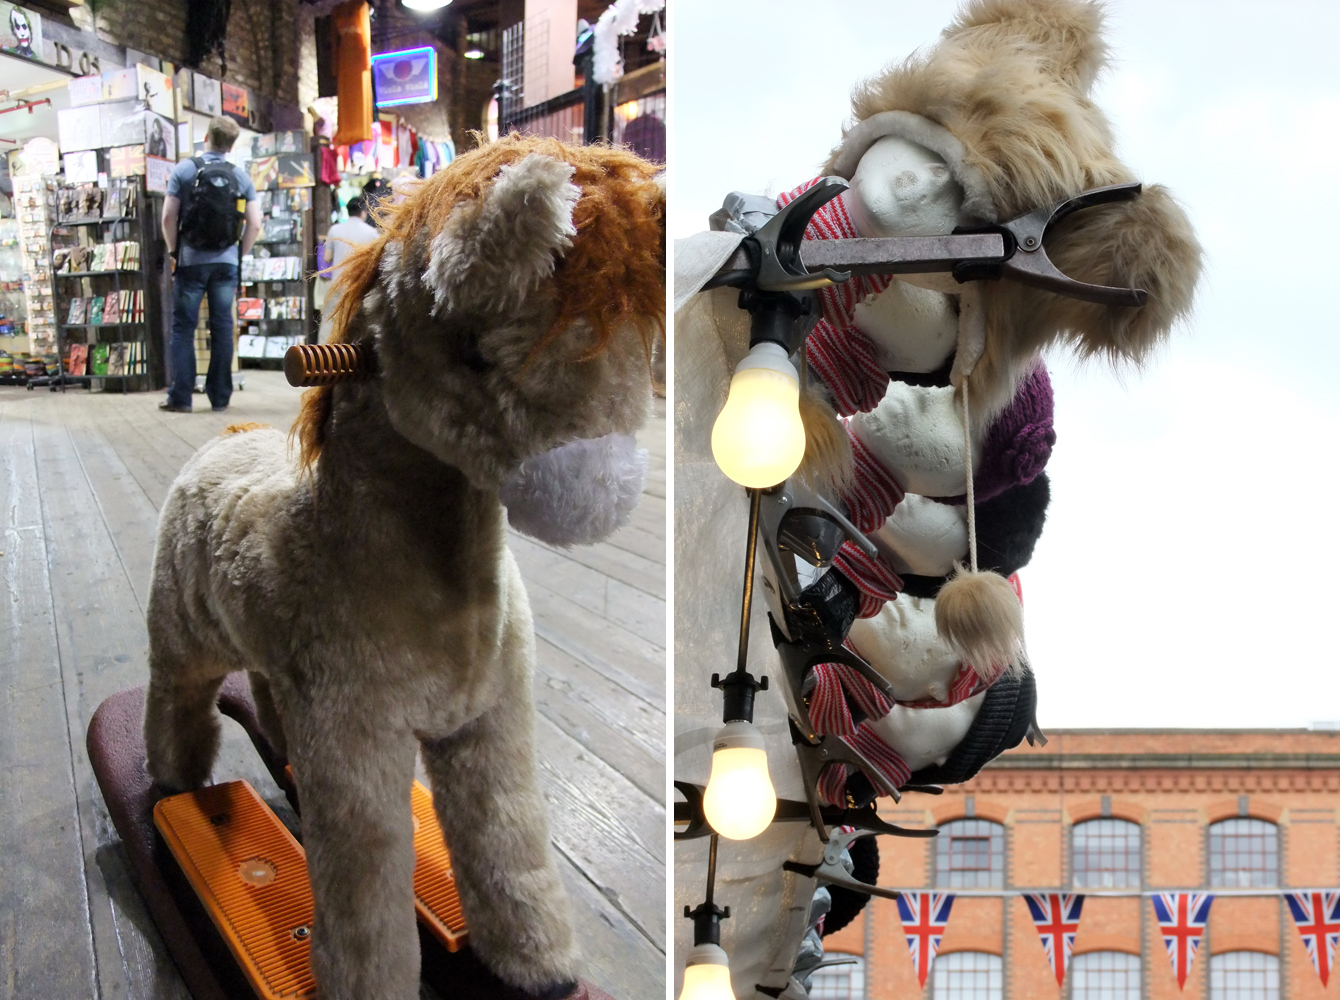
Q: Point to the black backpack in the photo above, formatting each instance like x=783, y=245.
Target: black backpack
x=213, y=219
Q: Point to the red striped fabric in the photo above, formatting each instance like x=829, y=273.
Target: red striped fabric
x=845, y=360
x=827, y=703
x=832, y=786
x=880, y=754
x=842, y=355
x=874, y=579
x=873, y=492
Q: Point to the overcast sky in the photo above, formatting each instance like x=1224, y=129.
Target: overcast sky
x=1188, y=570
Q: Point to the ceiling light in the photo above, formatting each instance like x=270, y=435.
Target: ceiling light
x=425, y=4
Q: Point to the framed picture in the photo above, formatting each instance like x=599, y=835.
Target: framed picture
x=296, y=170
x=20, y=31
x=235, y=101
x=265, y=172
x=126, y=161
x=206, y=94
x=81, y=167
x=156, y=172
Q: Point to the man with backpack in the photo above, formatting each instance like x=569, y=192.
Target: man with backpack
x=210, y=207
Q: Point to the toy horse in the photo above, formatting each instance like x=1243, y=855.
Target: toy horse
x=365, y=584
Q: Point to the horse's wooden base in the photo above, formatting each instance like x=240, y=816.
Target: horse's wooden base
x=202, y=954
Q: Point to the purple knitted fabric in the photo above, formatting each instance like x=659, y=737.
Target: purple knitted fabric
x=1020, y=441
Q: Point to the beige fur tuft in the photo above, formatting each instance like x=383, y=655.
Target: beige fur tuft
x=1010, y=80
x=1069, y=34
x=827, y=464
x=1146, y=243
x=979, y=615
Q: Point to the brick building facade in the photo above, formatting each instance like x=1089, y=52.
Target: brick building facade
x=1116, y=811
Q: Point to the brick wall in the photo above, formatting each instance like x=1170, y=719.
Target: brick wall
x=262, y=45
x=1173, y=784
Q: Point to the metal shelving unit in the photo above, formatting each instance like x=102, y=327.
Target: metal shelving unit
x=103, y=282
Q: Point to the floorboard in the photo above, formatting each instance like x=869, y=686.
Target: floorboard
x=82, y=477
x=42, y=882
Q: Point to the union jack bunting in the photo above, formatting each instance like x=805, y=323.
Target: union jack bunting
x=1057, y=921
x=1317, y=915
x=925, y=916
x=1182, y=917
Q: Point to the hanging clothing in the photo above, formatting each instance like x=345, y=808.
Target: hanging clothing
x=353, y=73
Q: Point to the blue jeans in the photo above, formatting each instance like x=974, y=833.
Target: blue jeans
x=189, y=285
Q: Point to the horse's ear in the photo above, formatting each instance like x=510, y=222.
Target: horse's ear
x=495, y=250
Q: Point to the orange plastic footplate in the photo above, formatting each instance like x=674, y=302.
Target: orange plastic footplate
x=251, y=876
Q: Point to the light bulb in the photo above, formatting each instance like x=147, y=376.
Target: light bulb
x=758, y=439
x=740, y=801
x=426, y=4
x=706, y=974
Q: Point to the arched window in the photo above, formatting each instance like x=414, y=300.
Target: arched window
x=967, y=975
x=970, y=854
x=839, y=982
x=1105, y=854
x=1244, y=854
x=1244, y=975
x=1105, y=975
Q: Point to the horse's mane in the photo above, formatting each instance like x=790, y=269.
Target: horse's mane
x=614, y=272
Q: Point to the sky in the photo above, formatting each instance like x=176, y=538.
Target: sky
x=1187, y=573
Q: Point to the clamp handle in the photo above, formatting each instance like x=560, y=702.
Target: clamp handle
x=1027, y=262
x=774, y=248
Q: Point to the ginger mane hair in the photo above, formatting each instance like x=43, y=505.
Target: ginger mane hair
x=612, y=275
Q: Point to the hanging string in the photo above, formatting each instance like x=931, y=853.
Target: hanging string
x=967, y=463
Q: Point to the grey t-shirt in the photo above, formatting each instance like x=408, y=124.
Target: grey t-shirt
x=180, y=185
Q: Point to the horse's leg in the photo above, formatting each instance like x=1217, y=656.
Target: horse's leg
x=354, y=773
x=181, y=728
x=181, y=722
x=487, y=796
x=267, y=714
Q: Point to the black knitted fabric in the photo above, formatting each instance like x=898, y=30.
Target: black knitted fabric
x=1008, y=529
x=1002, y=723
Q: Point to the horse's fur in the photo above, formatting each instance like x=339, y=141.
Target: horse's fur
x=371, y=594
x=1010, y=81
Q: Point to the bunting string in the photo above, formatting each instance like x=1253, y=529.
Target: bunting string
x=1181, y=916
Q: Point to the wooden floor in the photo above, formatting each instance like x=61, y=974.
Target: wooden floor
x=82, y=476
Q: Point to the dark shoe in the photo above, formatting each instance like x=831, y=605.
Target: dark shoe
x=173, y=408
x=220, y=409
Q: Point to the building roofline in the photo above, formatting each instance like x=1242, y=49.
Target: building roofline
x=1165, y=761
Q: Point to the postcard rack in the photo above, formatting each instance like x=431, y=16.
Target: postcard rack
x=275, y=306
x=98, y=247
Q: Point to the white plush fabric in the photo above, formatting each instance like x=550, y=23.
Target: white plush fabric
x=901, y=188
x=901, y=642
x=914, y=329
x=924, y=537
x=977, y=203
x=926, y=736
x=917, y=434
x=577, y=493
